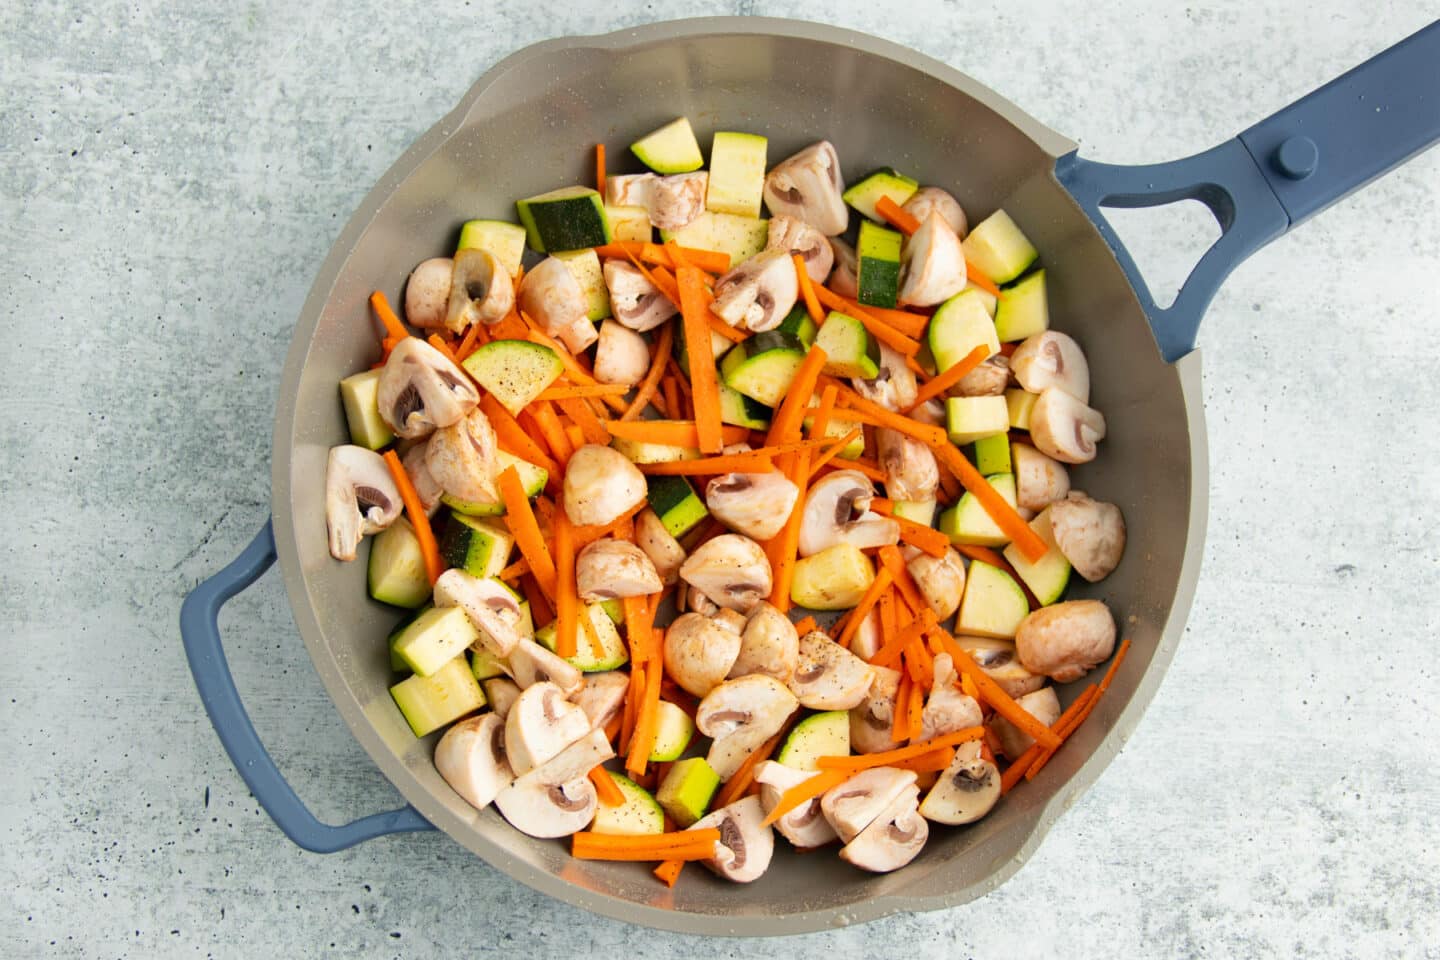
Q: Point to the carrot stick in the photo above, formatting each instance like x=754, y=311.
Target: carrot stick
x=646, y=390
x=829, y=453
x=682, y=845
x=586, y=535
x=896, y=640
x=605, y=785
x=866, y=761
x=916, y=714
x=1016, y=771
x=736, y=786
x=675, y=433
x=951, y=376
x=807, y=289
x=474, y=338
x=663, y=280
x=642, y=742
x=889, y=627
x=711, y=261
x=878, y=328
x=724, y=329
x=567, y=604
x=419, y=519
x=805, y=791
x=575, y=435
x=807, y=625
x=703, y=380
x=551, y=430
x=394, y=329
x=515, y=570
x=900, y=721
x=600, y=169
x=540, y=610
x=932, y=762
x=512, y=437
x=891, y=559
x=905, y=321
x=928, y=539
x=633, y=697
x=975, y=277
x=785, y=425
x=788, y=545
x=871, y=412
x=900, y=219
x=669, y=871
x=526, y=531
x=709, y=466
x=1027, y=541
x=580, y=413
x=919, y=662
x=638, y=623
x=862, y=465
x=435, y=341
x=584, y=391
x=992, y=693
x=880, y=585
x=1066, y=724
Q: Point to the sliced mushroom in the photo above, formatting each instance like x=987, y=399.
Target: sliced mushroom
x=768, y=645
x=934, y=266
x=808, y=186
x=755, y=504
x=796, y=236
x=471, y=758
x=867, y=640
x=464, y=458
x=894, y=386
x=552, y=297
x=928, y=200
x=676, y=200
x=420, y=390
x=663, y=550
x=758, y=293
x=844, y=277
x=1090, y=533
x=829, y=677
x=987, y=380
x=838, y=511
x=622, y=355
x=805, y=826
x=873, y=720
x=911, y=472
x=947, y=710
x=600, y=485
x=427, y=488
x=895, y=837
x=1001, y=664
x=731, y=570
x=739, y=715
x=746, y=844
x=699, y=653
x=488, y=603
x=635, y=301
x=966, y=791
x=1065, y=428
x=501, y=693
x=1043, y=705
x=1039, y=480
x=602, y=696
x=531, y=663
x=854, y=804
x=540, y=724
x=609, y=569
x=557, y=799
x=360, y=498
x=481, y=290
x=427, y=293
x=629, y=189
x=1066, y=640
x=1052, y=359
x=941, y=579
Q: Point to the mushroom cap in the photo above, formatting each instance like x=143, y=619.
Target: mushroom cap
x=481, y=290
x=894, y=386
x=769, y=645
x=966, y=791
x=427, y=488
x=488, y=603
x=758, y=293
x=729, y=569
x=873, y=720
x=1090, y=533
x=796, y=236
x=854, y=804
x=895, y=837
x=989, y=379
x=531, y=663
x=552, y=297
x=1039, y=480
x=837, y=511
x=501, y=693
x=602, y=696
x=635, y=301
x=1002, y=664
x=829, y=677
x=755, y=504
x=1052, y=359
x=420, y=390
x=464, y=458
x=934, y=265
x=471, y=758
x=427, y=293
x=928, y=200
x=541, y=723
x=600, y=485
x=360, y=498
x=941, y=580
x=1042, y=704
x=805, y=826
x=610, y=568
x=808, y=186
x=1066, y=640
x=947, y=709
x=557, y=799
x=1064, y=428
x=622, y=356
x=678, y=199
x=844, y=279
x=911, y=472
x=663, y=549
x=746, y=844
x=739, y=715
x=699, y=653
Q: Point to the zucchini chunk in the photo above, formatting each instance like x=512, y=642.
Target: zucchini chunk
x=998, y=248
x=396, y=572
x=820, y=735
x=764, y=366
x=737, y=174
x=479, y=547
x=878, y=272
x=1025, y=311
x=671, y=149
x=361, y=395
x=969, y=522
x=505, y=241
x=960, y=325
x=514, y=371
x=429, y=703
x=993, y=605
x=884, y=182
x=741, y=237
x=850, y=351
x=565, y=219
x=676, y=504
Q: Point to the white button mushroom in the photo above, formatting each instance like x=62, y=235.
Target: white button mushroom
x=1052, y=359
x=629, y=189
x=838, y=511
x=796, y=236
x=739, y=715
x=1066, y=640
x=481, y=290
x=894, y=386
x=600, y=485
x=501, y=693
x=966, y=791
x=928, y=200
x=1039, y=480
x=471, y=758
x=557, y=799
x=699, y=653
x=609, y=569
x=1043, y=705
x=829, y=677
x=464, y=458
x=911, y=472
x=809, y=187
x=941, y=579
x=635, y=301
x=758, y=293
x=1090, y=533
x=663, y=550
x=731, y=570
x=854, y=804
x=687, y=598
x=732, y=620
x=768, y=645
x=997, y=658
x=805, y=826
x=1064, y=428
x=360, y=498
x=420, y=390
x=540, y=724
x=531, y=663
x=551, y=296
x=746, y=844
x=873, y=721
x=489, y=604
x=755, y=504
x=987, y=380
x=867, y=640
x=947, y=709
x=622, y=355
x=427, y=488
x=427, y=293
x=844, y=279
x=893, y=839
x=933, y=263
x=676, y=200
x=602, y=696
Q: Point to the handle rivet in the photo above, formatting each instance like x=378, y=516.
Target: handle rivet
x=1297, y=157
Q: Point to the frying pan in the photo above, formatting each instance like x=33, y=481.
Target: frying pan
x=524, y=127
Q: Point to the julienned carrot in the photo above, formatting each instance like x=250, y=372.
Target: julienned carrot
x=704, y=385
x=992, y=693
x=919, y=662
x=928, y=539
x=637, y=626
x=438, y=342
x=642, y=742
x=974, y=276
x=1026, y=540
x=393, y=327
x=807, y=625
x=646, y=390
x=634, y=696
x=551, y=430
x=567, y=602
x=797, y=467
x=740, y=781
x=661, y=279
x=878, y=328
x=724, y=329
x=897, y=639
x=900, y=219
x=1022, y=764
x=788, y=419
x=877, y=587
x=895, y=563
x=670, y=387
x=932, y=762
x=948, y=378
x=711, y=261
x=600, y=169
x=583, y=416
x=1067, y=723
x=710, y=466
x=606, y=787
x=419, y=519
x=861, y=465
x=832, y=451
x=474, y=339
x=675, y=433
x=669, y=871
x=807, y=289
x=805, y=791
x=869, y=411
x=540, y=610
x=900, y=718
x=917, y=710
x=516, y=570
x=853, y=764
x=909, y=323
x=526, y=531
x=513, y=439
x=586, y=535
x=681, y=845
x=584, y=391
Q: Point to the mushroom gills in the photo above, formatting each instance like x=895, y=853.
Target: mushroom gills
x=540, y=725
x=360, y=498
x=471, y=758
x=895, y=838
x=829, y=677
x=746, y=844
x=853, y=805
x=805, y=826
x=556, y=799
x=967, y=789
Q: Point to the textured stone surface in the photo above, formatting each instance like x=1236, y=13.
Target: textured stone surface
x=171, y=178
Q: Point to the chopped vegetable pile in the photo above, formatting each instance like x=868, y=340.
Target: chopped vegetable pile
x=587, y=436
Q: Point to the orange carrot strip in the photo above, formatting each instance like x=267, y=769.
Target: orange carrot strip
x=512, y=437
x=634, y=695
x=474, y=338
x=951, y=376
x=551, y=430
x=575, y=371
x=567, y=603
x=646, y=390
x=682, y=845
x=638, y=623
x=584, y=391
x=669, y=871
x=861, y=465
x=785, y=425
x=393, y=327
x=866, y=761
x=724, y=329
x=889, y=626
x=900, y=721
x=1026, y=540
x=709, y=466
x=974, y=276
x=908, y=323
x=788, y=546
x=890, y=557
x=540, y=610
x=897, y=640
x=867, y=411
x=992, y=693
x=662, y=280
x=586, y=535
x=807, y=625
x=526, y=530
x=932, y=762
x=807, y=289
x=900, y=219
x=919, y=662
x=575, y=435
x=703, y=379
x=580, y=413
x=1019, y=767
x=439, y=344
x=831, y=452
x=600, y=169
x=917, y=709
x=928, y=539
x=740, y=781
x=710, y=261
x=805, y=791
x=879, y=586
x=643, y=740
x=516, y=570
x=1065, y=725
x=419, y=519
x=676, y=433
x=606, y=787
x=878, y=328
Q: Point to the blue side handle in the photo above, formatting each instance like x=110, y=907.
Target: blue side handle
x=199, y=628
x=1275, y=175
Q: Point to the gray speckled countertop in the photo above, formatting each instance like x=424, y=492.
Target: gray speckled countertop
x=170, y=180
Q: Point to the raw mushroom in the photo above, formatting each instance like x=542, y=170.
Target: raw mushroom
x=501, y=693
x=808, y=186
x=758, y=293
x=360, y=498
x=911, y=472
x=1090, y=533
x=471, y=758
x=796, y=236
x=420, y=390
x=947, y=710
x=1001, y=664
x=1039, y=480
x=838, y=511
x=1066, y=640
x=677, y=200
x=732, y=620
x=622, y=355
x=746, y=843
x=928, y=200
x=488, y=603
x=427, y=293
x=629, y=189
x=1043, y=705
x=540, y=724
x=844, y=278
x=635, y=301
x=609, y=569
x=987, y=380
x=730, y=569
x=768, y=645
x=755, y=504
x=805, y=826
x=531, y=663
x=966, y=791
x=699, y=653
x=663, y=550
x=873, y=721
x=602, y=696
x=739, y=715
x=867, y=640
x=941, y=579
x=600, y=485
x=1064, y=428
x=829, y=677
x=894, y=838
x=934, y=266
x=427, y=488
x=894, y=386
x=481, y=291
x=854, y=804
x=464, y=458
x=931, y=412
x=1052, y=359
x=558, y=798
x=688, y=598
x=551, y=296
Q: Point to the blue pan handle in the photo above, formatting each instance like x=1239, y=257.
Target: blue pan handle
x=1275, y=175
x=199, y=628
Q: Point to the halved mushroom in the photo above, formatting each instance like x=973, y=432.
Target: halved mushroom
x=481, y=290
x=844, y=277
x=947, y=709
x=557, y=799
x=746, y=844
x=676, y=200
x=420, y=390
x=758, y=293
x=966, y=791
x=838, y=511
x=552, y=297
x=635, y=301
x=622, y=355
x=488, y=603
x=1066, y=640
x=629, y=189
x=1039, y=480
x=1043, y=705
x=796, y=236
x=829, y=677
x=732, y=620
x=731, y=570
x=1001, y=664
x=911, y=472
x=1052, y=359
x=768, y=645
x=464, y=458
x=873, y=720
x=1090, y=533
x=928, y=200
x=1064, y=428
x=808, y=186
x=755, y=504
x=987, y=380
x=663, y=550
x=602, y=696
x=739, y=715
x=471, y=758
x=531, y=663
x=501, y=693
x=941, y=579
x=934, y=266
x=427, y=292
x=854, y=804
x=894, y=386
x=805, y=826
x=699, y=653
x=540, y=724
x=867, y=640
x=609, y=569
x=893, y=839
x=427, y=488
x=600, y=485
x=360, y=498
